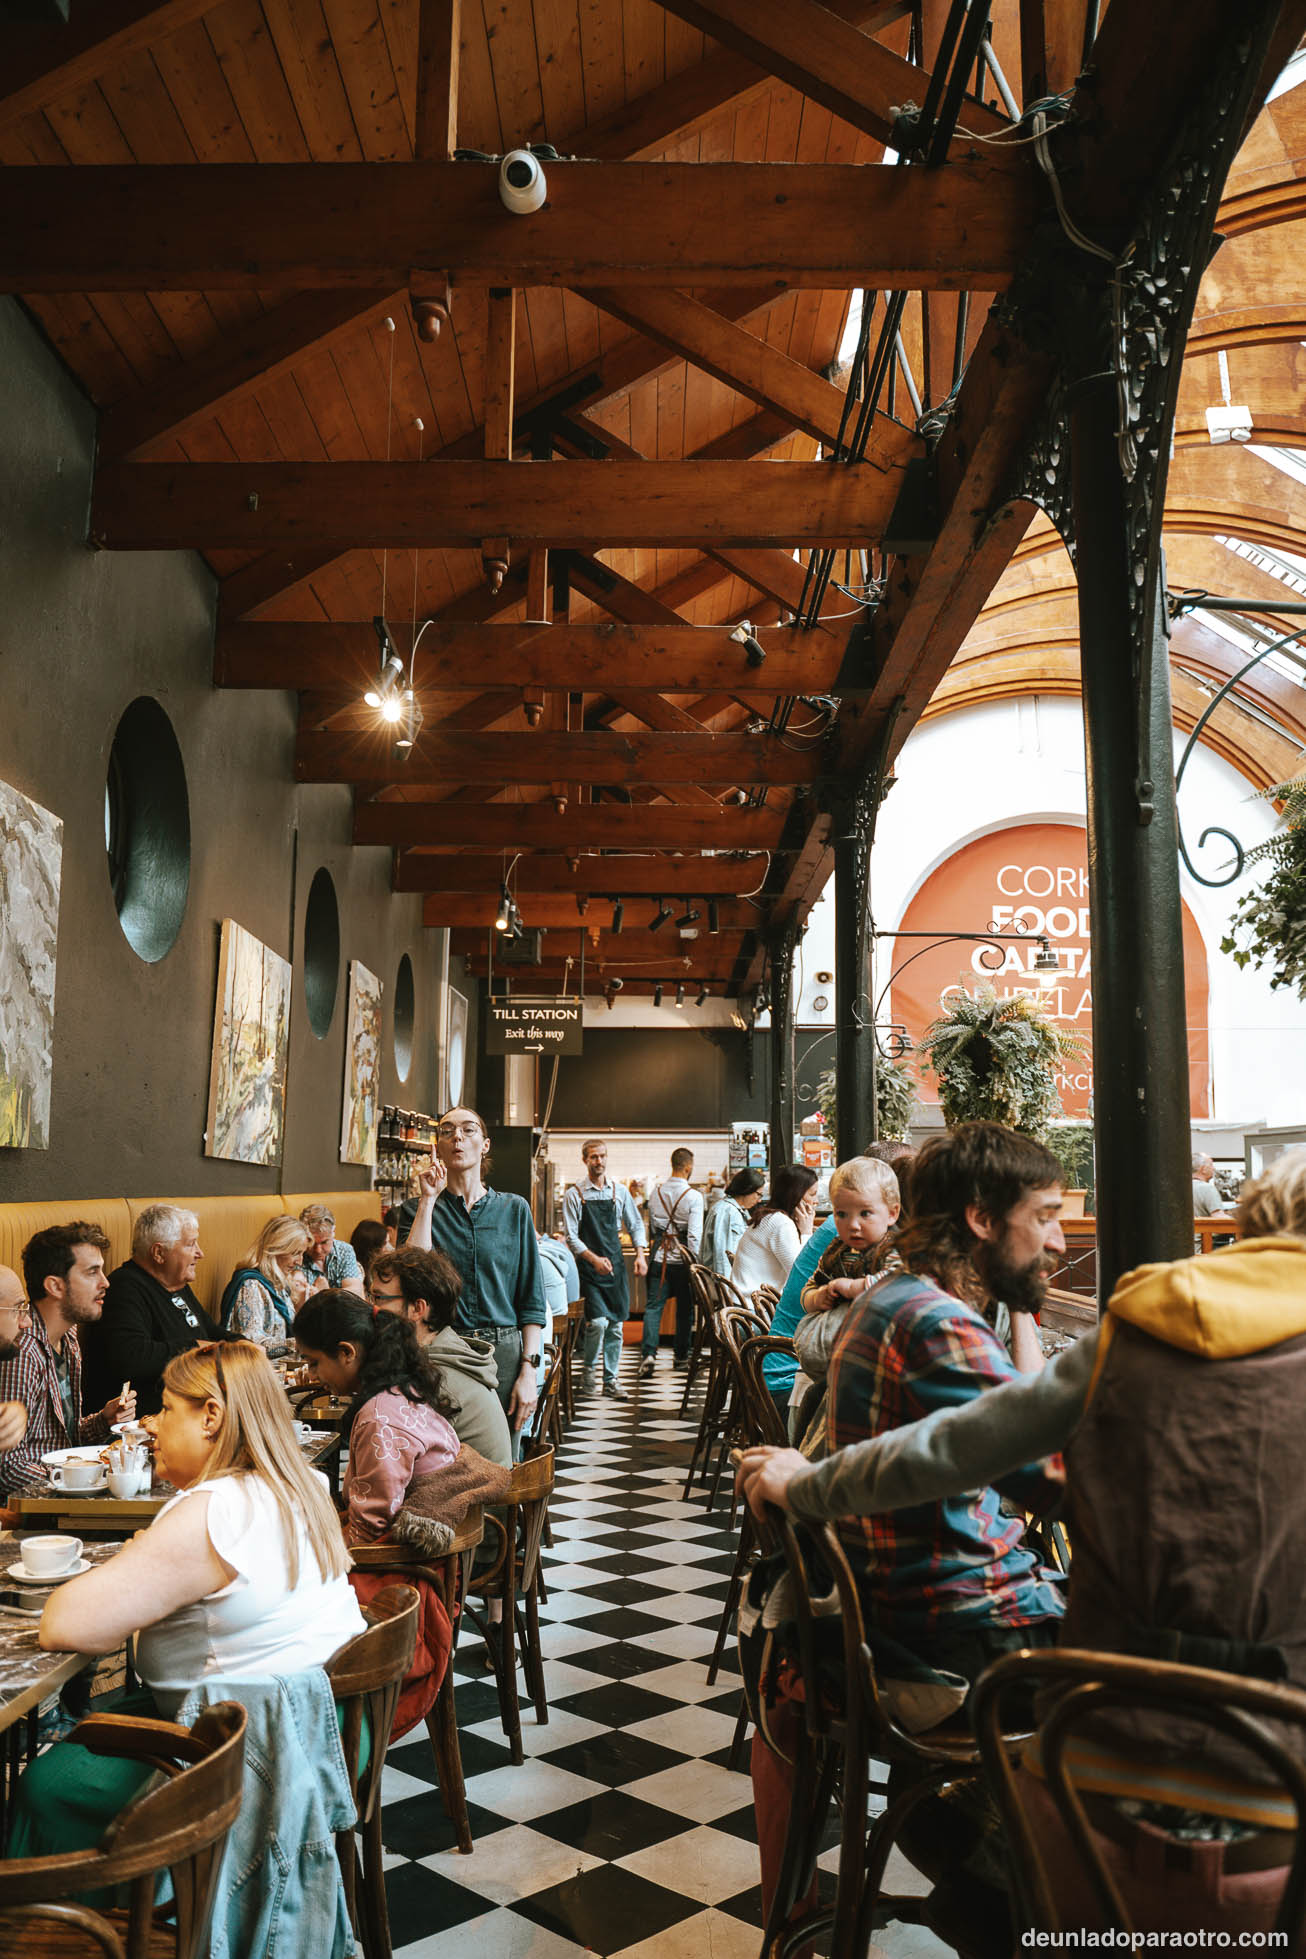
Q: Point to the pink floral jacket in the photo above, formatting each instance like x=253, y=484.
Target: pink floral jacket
x=393, y=1440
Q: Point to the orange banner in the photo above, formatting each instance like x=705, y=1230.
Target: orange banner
x=1030, y=878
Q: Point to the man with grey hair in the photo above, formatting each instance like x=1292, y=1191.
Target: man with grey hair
x=1207, y=1201
x=150, y=1312
x=328, y=1261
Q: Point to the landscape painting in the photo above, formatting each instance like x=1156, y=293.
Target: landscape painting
x=251, y=1040
x=362, y=1067
x=31, y=857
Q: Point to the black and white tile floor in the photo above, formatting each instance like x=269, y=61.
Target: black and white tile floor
x=624, y=1832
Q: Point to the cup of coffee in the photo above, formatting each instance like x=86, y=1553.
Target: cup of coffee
x=50, y=1557
x=78, y=1473
x=124, y=1482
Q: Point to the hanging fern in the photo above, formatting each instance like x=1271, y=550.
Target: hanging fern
x=996, y=1061
x=895, y=1099
x=1268, y=925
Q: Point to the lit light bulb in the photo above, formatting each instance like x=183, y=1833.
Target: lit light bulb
x=372, y=698
x=391, y=708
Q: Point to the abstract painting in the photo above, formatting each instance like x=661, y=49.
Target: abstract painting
x=251, y=1038
x=362, y=1067
x=31, y=856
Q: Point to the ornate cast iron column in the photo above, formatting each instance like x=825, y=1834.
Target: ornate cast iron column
x=1098, y=466
x=854, y=1028
x=782, y=949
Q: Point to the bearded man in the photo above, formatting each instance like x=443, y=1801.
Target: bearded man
x=952, y=1581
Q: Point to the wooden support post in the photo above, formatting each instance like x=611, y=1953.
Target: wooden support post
x=782, y=949
x=500, y=375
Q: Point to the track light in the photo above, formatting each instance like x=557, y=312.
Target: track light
x=503, y=917
x=618, y=913
x=744, y=636
x=688, y=918
x=680, y=994
x=611, y=990
x=657, y=994
x=661, y=916
x=409, y=722
x=702, y=995
x=713, y=916
x=392, y=667
x=391, y=706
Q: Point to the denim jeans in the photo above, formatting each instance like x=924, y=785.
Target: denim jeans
x=668, y=1282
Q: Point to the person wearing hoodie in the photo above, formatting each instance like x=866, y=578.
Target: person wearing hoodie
x=1185, y=1456
x=423, y=1287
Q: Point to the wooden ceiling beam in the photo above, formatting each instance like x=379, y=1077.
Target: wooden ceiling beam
x=634, y=948
x=749, y=365
x=587, y=826
x=256, y=227
x=597, y=876
x=439, y=60
x=476, y=912
x=538, y=757
x=637, y=659
x=802, y=43
x=243, y=506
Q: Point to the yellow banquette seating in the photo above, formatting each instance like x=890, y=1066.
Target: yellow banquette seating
x=228, y=1225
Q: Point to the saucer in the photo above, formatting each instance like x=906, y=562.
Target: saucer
x=26, y=1577
x=87, y=1489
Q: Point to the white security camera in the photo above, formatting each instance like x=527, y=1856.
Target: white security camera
x=521, y=182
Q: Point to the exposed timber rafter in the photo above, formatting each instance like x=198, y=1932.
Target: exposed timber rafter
x=537, y=757
x=600, y=875
x=255, y=227
x=591, y=826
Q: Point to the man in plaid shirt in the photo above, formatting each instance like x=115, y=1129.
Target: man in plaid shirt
x=64, y=1272
x=953, y=1581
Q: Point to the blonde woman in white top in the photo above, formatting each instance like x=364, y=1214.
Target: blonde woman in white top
x=777, y=1230
x=241, y=1575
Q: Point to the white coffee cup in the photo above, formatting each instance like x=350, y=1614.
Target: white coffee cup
x=124, y=1482
x=50, y=1557
x=78, y=1473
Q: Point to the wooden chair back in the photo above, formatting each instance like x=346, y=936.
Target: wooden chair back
x=765, y=1301
x=1093, y=1683
x=366, y=1676
x=764, y=1418
x=180, y=1826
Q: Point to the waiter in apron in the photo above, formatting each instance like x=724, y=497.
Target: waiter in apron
x=595, y=1211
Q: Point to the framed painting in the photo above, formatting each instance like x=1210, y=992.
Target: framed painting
x=362, y=1108
x=31, y=861
x=251, y=1041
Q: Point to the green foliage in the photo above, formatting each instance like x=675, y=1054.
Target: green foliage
x=895, y=1099
x=1072, y=1145
x=1268, y=925
x=996, y=1060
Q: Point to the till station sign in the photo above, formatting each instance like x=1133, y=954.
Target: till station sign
x=522, y=1026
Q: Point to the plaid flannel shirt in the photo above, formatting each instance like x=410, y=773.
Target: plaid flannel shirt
x=30, y=1376
x=905, y=1350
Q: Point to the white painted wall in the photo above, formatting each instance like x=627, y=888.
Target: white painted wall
x=982, y=768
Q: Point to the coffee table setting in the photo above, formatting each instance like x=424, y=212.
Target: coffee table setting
x=89, y=1494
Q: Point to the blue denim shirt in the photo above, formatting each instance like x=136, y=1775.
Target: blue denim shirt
x=497, y=1255
x=779, y=1369
x=279, y=1891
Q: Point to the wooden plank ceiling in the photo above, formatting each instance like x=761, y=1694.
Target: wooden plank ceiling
x=584, y=443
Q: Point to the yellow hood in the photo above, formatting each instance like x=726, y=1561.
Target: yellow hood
x=1236, y=1301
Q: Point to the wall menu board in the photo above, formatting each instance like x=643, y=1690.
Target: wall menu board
x=522, y=1026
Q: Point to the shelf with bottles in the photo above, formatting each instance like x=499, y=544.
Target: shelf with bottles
x=405, y=1141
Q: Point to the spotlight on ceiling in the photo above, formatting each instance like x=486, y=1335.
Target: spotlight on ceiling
x=689, y=917
x=680, y=994
x=611, y=990
x=618, y=913
x=660, y=917
x=744, y=636
x=713, y=916
x=503, y=917
x=702, y=995
x=657, y=995
x=409, y=725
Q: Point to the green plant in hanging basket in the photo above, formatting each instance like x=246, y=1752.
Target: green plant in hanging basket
x=996, y=1061
x=1268, y=924
x=895, y=1099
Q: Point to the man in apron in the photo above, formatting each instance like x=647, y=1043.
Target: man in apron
x=594, y=1212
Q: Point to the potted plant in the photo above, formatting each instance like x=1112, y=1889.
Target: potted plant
x=995, y=1060
x=1268, y=925
x=1072, y=1145
x=895, y=1099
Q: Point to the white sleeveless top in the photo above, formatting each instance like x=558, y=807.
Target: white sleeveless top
x=257, y=1627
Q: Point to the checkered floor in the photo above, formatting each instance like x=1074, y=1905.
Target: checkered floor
x=623, y=1832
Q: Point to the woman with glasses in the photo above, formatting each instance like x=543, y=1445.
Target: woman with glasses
x=241, y=1575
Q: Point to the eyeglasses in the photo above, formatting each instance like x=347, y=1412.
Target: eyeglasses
x=375, y=1298
x=449, y=1132
x=20, y=1308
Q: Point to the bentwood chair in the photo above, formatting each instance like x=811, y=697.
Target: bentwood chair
x=1087, y=1684
x=733, y=1325
x=366, y=1676
x=702, y=1284
x=763, y=1426
x=179, y=1826
x=844, y=1733
x=513, y=1575
x=716, y=1294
